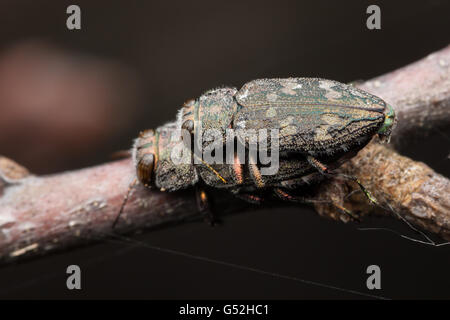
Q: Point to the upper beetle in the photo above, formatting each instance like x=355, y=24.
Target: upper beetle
x=319, y=121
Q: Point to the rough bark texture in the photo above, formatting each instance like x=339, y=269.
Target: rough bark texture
x=39, y=215
x=420, y=94
x=400, y=185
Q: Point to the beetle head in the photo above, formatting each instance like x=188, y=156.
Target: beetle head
x=389, y=122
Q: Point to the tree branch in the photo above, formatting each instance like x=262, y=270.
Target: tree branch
x=420, y=94
x=39, y=215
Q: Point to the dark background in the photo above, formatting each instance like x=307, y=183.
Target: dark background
x=161, y=54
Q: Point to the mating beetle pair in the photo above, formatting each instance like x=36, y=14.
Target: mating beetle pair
x=320, y=123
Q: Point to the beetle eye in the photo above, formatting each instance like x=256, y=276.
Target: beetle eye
x=144, y=170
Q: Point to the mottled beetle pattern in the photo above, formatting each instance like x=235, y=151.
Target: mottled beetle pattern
x=321, y=124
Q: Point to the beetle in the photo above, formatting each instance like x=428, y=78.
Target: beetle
x=321, y=123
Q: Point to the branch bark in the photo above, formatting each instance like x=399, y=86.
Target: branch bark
x=39, y=215
x=420, y=94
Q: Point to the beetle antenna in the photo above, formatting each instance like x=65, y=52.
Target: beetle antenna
x=125, y=200
x=211, y=168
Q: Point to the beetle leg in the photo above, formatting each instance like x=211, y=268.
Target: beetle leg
x=352, y=215
x=248, y=197
x=238, y=170
x=204, y=207
x=255, y=173
x=324, y=170
x=295, y=183
x=317, y=164
x=284, y=195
